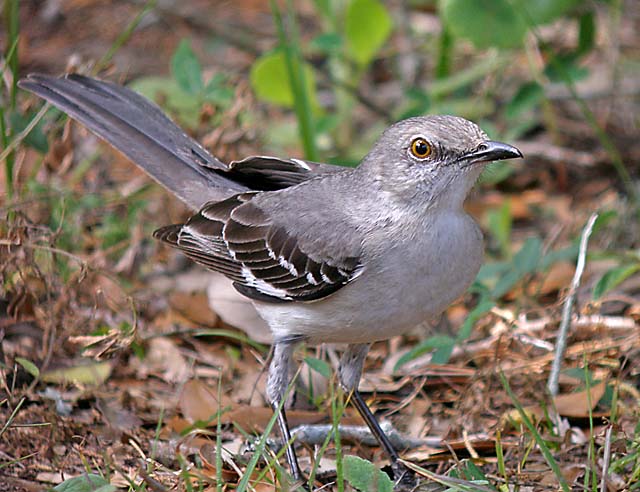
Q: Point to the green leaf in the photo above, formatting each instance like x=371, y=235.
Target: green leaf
x=613, y=278
x=364, y=476
x=217, y=91
x=28, y=366
x=186, y=69
x=587, y=33
x=270, y=80
x=527, y=259
x=435, y=342
x=319, y=365
x=367, y=27
x=529, y=95
x=499, y=222
x=486, y=23
x=565, y=68
x=89, y=482
x=544, y=11
x=484, y=306
x=327, y=43
x=37, y=137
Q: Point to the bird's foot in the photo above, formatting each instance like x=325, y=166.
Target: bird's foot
x=404, y=478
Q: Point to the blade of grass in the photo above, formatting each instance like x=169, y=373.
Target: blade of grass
x=5, y=136
x=500, y=457
x=12, y=26
x=12, y=416
x=124, y=36
x=536, y=435
x=290, y=42
x=219, y=480
x=244, y=481
x=17, y=139
x=590, y=475
x=337, y=409
x=453, y=484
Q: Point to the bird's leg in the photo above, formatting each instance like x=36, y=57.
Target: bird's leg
x=277, y=384
x=350, y=373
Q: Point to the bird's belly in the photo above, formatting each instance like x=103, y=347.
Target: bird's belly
x=398, y=291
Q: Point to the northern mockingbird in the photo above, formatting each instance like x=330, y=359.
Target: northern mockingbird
x=327, y=254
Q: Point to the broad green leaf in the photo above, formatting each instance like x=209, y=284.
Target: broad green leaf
x=326, y=43
x=93, y=374
x=528, y=96
x=486, y=23
x=270, y=80
x=318, y=365
x=364, y=476
x=543, y=11
x=613, y=278
x=438, y=342
x=28, y=366
x=527, y=259
x=85, y=483
x=217, y=91
x=186, y=69
x=367, y=27
x=565, y=68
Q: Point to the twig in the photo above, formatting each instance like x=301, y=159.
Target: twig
x=316, y=434
x=606, y=459
x=552, y=384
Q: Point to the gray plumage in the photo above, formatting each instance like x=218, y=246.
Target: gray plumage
x=327, y=254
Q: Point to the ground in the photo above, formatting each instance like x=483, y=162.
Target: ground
x=124, y=360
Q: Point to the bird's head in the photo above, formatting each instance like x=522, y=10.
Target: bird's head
x=438, y=158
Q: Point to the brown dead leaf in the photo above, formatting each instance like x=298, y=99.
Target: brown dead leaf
x=557, y=278
x=567, y=405
x=581, y=403
x=165, y=360
x=236, y=310
x=194, y=307
x=257, y=418
x=198, y=401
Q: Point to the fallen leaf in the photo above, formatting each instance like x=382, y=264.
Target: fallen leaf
x=579, y=404
x=194, y=307
x=236, y=310
x=567, y=405
x=198, y=401
x=94, y=373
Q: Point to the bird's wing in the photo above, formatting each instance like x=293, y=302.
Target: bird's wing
x=140, y=130
x=262, y=172
x=266, y=262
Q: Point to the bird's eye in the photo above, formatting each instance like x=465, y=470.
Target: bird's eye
x=420, y=148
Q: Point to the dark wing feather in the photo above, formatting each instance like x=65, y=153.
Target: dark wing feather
x=273, y=173
x=239, y=239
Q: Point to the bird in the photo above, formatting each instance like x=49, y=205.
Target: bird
x=325, y=253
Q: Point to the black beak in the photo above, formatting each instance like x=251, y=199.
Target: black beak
x=493, y=151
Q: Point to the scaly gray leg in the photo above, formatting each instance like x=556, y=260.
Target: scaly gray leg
x=277, y=384
x=350, y=373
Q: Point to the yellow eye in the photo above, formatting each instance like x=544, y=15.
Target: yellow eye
x=420, y=148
